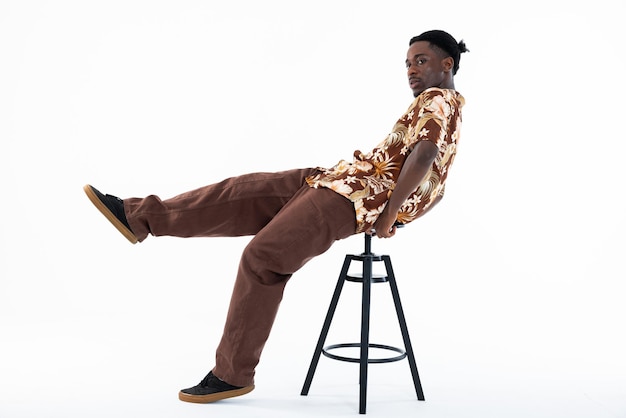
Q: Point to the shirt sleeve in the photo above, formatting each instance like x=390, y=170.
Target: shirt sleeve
x=431, y=123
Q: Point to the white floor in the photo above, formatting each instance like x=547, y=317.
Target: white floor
x=124, y=368
x=133, y=341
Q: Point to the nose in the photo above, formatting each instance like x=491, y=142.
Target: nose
x=411, y=69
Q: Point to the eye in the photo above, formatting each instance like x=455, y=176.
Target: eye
x=417, y=61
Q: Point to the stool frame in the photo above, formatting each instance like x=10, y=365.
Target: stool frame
x=367, y=258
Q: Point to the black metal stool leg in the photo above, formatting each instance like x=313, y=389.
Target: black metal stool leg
x=365, y=331
x=326, y=326
x=403, y=328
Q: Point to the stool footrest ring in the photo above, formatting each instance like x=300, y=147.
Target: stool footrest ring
x=326, y=352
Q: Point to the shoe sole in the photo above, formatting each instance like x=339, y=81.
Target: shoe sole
x=214, y=397
x=128, y=234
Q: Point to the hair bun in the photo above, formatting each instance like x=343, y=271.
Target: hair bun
x=462, y=46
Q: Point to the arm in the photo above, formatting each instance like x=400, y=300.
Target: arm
x=413, y=172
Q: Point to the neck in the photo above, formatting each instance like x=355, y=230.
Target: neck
x=448, y=83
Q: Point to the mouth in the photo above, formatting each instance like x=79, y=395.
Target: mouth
x=414, y=81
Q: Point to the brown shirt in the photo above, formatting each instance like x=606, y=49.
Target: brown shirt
x=368, y=181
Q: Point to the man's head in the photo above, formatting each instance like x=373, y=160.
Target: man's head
x=432, y=60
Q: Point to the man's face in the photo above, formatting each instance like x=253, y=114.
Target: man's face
x=424, y=67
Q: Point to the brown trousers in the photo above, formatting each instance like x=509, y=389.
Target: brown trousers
x=291, y=223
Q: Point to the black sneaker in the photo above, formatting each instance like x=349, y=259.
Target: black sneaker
x=212, y=389
x=112, y=208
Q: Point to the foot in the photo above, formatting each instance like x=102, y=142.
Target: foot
x=112, y=208
x=212, y=389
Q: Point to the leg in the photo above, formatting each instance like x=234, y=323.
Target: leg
x=403, y=328
x=306, y=227
x=237, y=206
x=365, y=332
x=326, y=327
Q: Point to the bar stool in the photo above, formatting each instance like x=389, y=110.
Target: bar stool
x=366, y=278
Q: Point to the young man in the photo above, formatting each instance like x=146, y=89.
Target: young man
x=297, y=214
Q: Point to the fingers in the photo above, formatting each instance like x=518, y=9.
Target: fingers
x=389, y=234
x=372, y=231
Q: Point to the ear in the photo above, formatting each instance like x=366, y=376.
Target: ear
x=447, y=64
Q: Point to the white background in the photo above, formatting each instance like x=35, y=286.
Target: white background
x=513, y=287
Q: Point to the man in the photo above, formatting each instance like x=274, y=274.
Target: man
x=298, y=214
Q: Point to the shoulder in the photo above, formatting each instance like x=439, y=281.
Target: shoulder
x=436, y=94
x=438, y=103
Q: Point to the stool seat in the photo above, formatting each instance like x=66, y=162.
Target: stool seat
x=366, y=277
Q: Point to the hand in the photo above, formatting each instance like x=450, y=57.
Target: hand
x=384, y=226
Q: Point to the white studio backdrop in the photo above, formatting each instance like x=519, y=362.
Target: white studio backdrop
x=513, y=287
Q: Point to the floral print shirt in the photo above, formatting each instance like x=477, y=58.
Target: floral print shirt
x=369, y=180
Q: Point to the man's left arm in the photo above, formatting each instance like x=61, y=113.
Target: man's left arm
x=412, y=174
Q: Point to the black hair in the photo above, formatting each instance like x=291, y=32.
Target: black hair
x=444, y=42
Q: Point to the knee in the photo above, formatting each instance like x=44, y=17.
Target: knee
x=262, y=266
